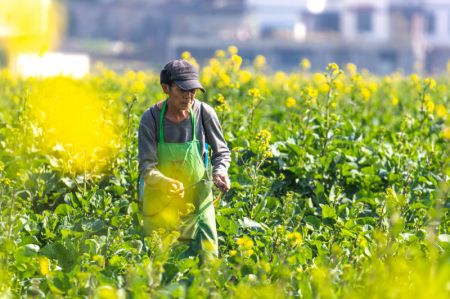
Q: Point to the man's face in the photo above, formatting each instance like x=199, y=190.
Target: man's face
x=180, y=99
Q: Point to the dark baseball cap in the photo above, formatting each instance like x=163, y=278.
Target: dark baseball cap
x=183, y=73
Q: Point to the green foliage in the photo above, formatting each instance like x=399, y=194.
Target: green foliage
x=338, y=192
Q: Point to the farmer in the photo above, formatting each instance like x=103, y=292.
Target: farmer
x=175, y=172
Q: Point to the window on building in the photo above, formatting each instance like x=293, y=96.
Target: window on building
x=430, y=23
x=327, y=21
x=364, y=20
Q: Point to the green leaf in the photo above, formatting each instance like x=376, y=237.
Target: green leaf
x=328, y=212
x=312, y=221
x=227, y=225
x=251, y=224
x=64, y=209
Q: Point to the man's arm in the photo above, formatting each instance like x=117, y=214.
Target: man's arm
x=220, y=159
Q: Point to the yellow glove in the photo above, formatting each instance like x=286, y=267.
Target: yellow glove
x=155, y=179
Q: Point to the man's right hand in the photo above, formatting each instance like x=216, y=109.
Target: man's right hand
x=155, y=179
x=175, y=189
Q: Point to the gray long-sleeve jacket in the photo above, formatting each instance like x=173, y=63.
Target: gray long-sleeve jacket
x=207, y=129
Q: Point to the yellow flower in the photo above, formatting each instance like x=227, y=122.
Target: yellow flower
x=214, y=64
x=446, y=132
x=365, y=93
x=264, y=134
x=311, y=92
x=263, y=139
x=248, y=243
x=394, y=101
x=206, y=76
x=259, y=62
x=339, y=85
x=236, y=85
x=319, y=78
x=186, y=55
x=333, y=69
x=245, y=242
x=138, y=86
x=44, y=265
x=245, y=76
x=356, y=78
x=130, y=75
x=373, y=87
x=261, y=83
x=99, y=259
x=393, y=199
x=387, y=80
x=6, y=181
x=225, y=80
x=295, y=237
x=352, y=69
x=414, y=78
x=254, y=92
x=106, y=292
x=429, y=104
x=391, y=196
x=220, y=54
x=233, y=50
x=305, y=64
x=324, y=88
x=59, y=103
x=441, y=111
x=222, y=104
x=220, y=99
x=430, y=83
x=250, y=252
x=236, y=61
x=290, y=102
x=233, y=252
x=279, y=78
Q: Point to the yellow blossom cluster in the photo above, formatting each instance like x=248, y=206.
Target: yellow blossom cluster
x=428, y=103
x=186, y=55
x=352, y=69
x=245, y=245
x=295, y=238
x=263, y=143
x=333, y=69
x=74, y=122
x=441, y=111
x=310, y=94
x=393, y=199
x=221, y=104
x=259, y=62
x=291, y=102
x=446, y=133
x=224, y=70
x=44, y=265
x=305, y=64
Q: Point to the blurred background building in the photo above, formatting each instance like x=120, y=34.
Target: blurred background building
x=382, y=36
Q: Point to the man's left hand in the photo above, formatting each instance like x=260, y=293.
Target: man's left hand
x=222, y=181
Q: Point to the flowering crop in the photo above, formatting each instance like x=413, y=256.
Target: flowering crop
x=340, y=186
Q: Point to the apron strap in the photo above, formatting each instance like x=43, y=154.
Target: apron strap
x=161, y=123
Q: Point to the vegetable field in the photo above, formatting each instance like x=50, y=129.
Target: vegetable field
x=340, y=186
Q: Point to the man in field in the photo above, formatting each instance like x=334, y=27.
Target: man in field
x=176, y=182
